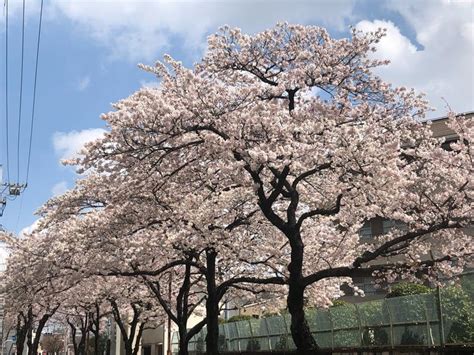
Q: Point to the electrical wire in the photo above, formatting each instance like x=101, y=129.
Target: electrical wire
x=34, y=95
x=6, y=91
x=21, y=93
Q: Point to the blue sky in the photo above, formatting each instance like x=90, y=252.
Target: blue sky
x=90, y=50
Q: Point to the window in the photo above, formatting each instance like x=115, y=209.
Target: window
x=387, y=226
x=366, y=232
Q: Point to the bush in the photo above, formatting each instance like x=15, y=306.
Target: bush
x=407, y=289
x=374, y=316
x=239, y=318
x=458, y=310
x=253, y=345
x=338, y=303
x=282, y=343
x=409, y=337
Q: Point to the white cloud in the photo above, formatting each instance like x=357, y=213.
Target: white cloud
x=68, y=145
x=59, y=188
x=442, y=68
x=29, y=229
x=138, y=30
x=394, y=45
x=149, y=84
x=84, y=83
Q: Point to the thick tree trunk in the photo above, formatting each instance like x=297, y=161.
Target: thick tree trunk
x=29, y=342
x=182, y=310
x=96, y=345
x=81, y=349
x=212, y=306
x=128, y=347
x=300, y=330
x=21, y=334
x=97, y=329
x=183, y=341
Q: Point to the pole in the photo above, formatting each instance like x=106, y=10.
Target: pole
x=66, y=339
x=169, y=351
x=441, y=319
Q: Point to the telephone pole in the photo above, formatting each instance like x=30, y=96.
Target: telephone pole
x=8, y=191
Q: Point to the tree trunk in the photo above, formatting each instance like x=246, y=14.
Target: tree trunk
x=212, y=306
x=182, y=311
x=183, y=341
x=300, y=331
x=107, y=347
x=128, y=347
x=96, y=344
x=33, y=349
x=84, y=331
x=97, y=330
x=22, y=330
x=73, y=336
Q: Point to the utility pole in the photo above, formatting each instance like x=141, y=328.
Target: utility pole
x=10, y=190
x=169, y=351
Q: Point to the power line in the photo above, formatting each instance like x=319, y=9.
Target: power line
x=21, y=94
x=6, y=91
x=34, y=94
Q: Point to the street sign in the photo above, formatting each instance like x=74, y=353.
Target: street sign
x=14, y=338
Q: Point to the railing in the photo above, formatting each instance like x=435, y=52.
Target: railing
x=444, y=317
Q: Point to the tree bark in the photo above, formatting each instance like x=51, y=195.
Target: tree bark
x=23, y=326
x=182, y=311
x=107, y=346
x=212, y=305
x=300, y=330
x=95, y=328
x=183, y=341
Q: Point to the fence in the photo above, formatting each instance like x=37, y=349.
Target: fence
x=442, y=318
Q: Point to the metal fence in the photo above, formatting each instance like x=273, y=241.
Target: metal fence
x=443, y=317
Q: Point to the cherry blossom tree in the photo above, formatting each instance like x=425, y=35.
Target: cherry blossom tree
x=131, y=242
x=77, y=319
x=279, y=145
x=29, y=304
x=296, y=124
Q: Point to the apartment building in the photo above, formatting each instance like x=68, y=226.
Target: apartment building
x=379, y=226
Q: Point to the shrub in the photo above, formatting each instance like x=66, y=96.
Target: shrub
x=239, y=318
x=338, y=303
x=458, y=310
x=253, y=345
x=406, y=289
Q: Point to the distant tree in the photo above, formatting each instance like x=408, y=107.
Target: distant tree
x=52, y=343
